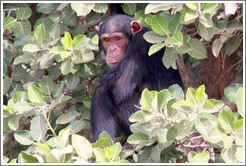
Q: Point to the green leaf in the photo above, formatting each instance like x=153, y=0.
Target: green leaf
x=19, y=96
x=8, y=22
x=23, y=13
x=176, y=92
x=6, y=85
x=156, y=7
x=198, y=50
x=231, y=91
x=116, y=149
x=63, y=138
x=43, y=148
x=153, y=37
x=102, y=143
x=87, y=102
x=155, y=48
x=83, y=56
x=40, y=33
x=206, y=33
x=184, y=128
x=38, y=127
x=82, y=9
x=239, y=101
x=184, y=105
x=212, y=106
x=95, y=40
x=22, y=106
x=46, y=8
x=172, y=133
x=232, y=45
x=200, y=158
x=23, y=137
x=176, y=39
x=100, y=8
x=169, y=57
x=79, y=42
x=227, y=141
x=217, y=45
x=206, y=20
x=192, y=6
x=188, y=17
x=200, y=94
x=65, y=54
x=226, y=119
x=67, y=118
x=240, y=154
x=229, y=154
x=67, y=40
x=100, y=155
x=159, y=24
x=82, y=146
x=108, y=153
x=21, y=28
x=35, y=95
x=77, y=125
x=47, y=85
x=26, y=58
x=209, y=7
x=14, y=122
x=29, y=158
x=215, y=137
x=206, y=124
x=66, y=67
x=72, y=80
x=182, y=49
x=129, y=8
x=31, y=48
x=146, y=98
x=174, y=24
x=137, y=138
x=57, y=50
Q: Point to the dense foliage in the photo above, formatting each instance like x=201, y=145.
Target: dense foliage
x=51, y=64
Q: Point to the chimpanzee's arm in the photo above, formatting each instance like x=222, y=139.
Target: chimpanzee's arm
x=102, y=116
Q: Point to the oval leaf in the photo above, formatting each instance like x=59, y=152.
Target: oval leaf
x=153, y=37
x=159, y=24
x=82, y=146
x=31, y=48
x=198, y=50
x=38, y=127
x=67, y=40
x=35, y=95
x=156, y=7
x=155, y=48
x=82, y=9
x=40, y=33
x=47, y=85
x=23, y=137
x=8, y=22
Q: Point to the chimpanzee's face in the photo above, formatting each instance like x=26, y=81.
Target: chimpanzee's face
x=115, y=46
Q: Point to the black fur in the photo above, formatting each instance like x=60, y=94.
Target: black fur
x=120, y=88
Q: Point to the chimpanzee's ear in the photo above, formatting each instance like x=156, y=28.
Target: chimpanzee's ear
x=97, y=29
x=135, y=27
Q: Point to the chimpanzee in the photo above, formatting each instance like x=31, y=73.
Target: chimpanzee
x=132, y=70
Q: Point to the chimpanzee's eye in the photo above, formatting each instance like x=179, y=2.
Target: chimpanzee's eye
x=106, y=39
x=117, y=38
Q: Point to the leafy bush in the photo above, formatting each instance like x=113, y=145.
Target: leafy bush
x=51, y=64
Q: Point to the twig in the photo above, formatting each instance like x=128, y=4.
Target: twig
x=195, y=146
x=197, y=137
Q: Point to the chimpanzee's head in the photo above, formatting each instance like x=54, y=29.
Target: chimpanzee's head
x=114, y=35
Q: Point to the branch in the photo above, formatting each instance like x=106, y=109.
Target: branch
x=225, y=73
